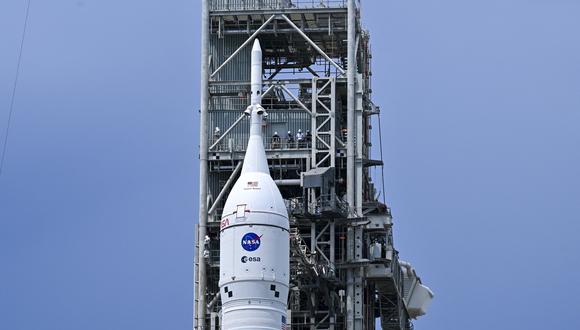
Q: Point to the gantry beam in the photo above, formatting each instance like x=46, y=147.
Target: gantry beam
x=199, y=321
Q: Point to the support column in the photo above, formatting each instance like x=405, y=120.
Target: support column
x=350, y=156
x=358, y=281
x=203, y=165
x=195, y=275
x=350, y=119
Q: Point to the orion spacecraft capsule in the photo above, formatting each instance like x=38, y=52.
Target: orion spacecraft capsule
x=254, y=235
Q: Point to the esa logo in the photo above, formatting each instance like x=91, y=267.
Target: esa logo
x=251, y=241
x=250, y=259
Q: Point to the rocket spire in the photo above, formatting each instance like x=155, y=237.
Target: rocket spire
x=254, y=234
x=256, y=82
x=255, y=159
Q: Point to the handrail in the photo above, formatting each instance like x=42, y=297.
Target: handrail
x=227, y=5
x=270, y=143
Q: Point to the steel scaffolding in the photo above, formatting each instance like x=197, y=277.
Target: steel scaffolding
x=345, y=270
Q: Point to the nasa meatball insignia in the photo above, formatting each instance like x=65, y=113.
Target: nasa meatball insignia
x=251, y=242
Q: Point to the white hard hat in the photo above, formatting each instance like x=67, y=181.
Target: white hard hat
x=299, y=130
x=275, y=133
x=289, y=132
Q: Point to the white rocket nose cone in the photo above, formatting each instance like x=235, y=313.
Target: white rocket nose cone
x=257, y=47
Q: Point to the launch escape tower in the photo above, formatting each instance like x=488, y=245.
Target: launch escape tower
x=345, y=271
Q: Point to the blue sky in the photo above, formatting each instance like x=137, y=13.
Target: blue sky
x=481, y=117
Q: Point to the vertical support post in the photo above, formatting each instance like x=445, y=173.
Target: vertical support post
x=332, y=138
x=203, y=166
x=332, y=259
x=332, y=243
x=313, y=239
x=358, y=177
x=195, y=275
x=212, y=323
x=350, y=156
x=312, y=317
x=332, y=123
x=350, y=120
x=314, y=121
x=358, y=281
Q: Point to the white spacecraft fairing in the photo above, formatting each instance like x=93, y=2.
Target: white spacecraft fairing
x=254, y=235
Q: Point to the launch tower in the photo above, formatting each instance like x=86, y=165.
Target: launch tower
x=344, y=269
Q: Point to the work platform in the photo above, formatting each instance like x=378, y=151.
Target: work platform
x=345, y=270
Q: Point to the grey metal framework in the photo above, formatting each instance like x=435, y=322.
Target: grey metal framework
x=317, y=79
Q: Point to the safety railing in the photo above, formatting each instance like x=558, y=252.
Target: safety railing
x=324, y=205
x=270, y=143
x=226, y=5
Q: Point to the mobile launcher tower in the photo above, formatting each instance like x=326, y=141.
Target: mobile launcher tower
x=315, y=115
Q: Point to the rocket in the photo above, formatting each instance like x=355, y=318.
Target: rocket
x=254, y=234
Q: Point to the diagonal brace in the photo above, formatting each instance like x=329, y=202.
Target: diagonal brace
x=227, y=131
x=305, y=108
x=225, y=188
x=247, y=42
x=313, y=44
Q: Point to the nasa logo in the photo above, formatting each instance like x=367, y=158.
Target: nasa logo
x=251, y=241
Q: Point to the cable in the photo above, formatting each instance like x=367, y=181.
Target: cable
x=13, y=96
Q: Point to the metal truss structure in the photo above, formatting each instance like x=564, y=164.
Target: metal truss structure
x=345, y=270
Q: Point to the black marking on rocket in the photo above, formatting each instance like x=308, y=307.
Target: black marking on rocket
x=273, y=288
x=230, y=293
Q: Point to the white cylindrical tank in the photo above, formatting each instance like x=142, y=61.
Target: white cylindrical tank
x=254, y=236
x=377, y=250
x=371, y=251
